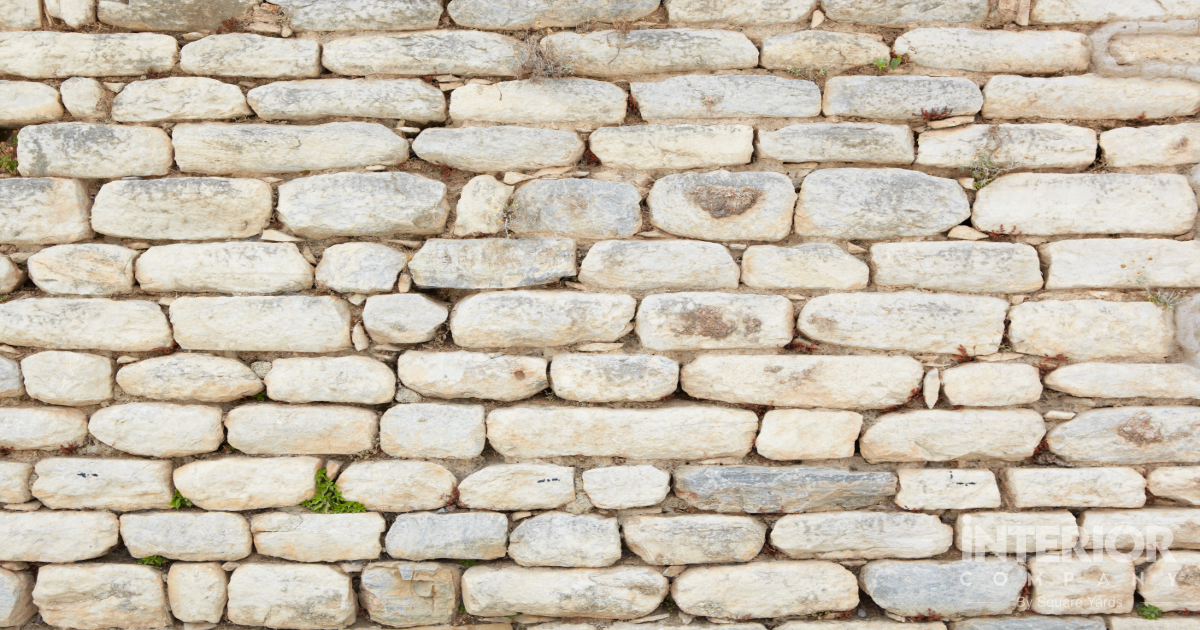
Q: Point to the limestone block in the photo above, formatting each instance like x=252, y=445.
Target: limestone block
x=11, y=277
x=77, y=149
x=900, y=12
x=221, y=148
x=1040, y=145
x=248, y=483
x=884, y=203
x=538, y=318
x=946, y=589
x=755, y=13
x=397, y=486
x=793, y=434
x=1177, y=483
x=246, y=267
x=159, y=429
x=405, y=99
x=965, y=266
x=522, y=14
x=727, y=96
x=249, y=55
x=1123, y=263
x=694, y=321
x=582, y=101
x=624, y=487
x=805, y=266
x=318, y=537
x=900, y=97
x=290, y=595
x=403, y=318
x=360, y=268
x=492, y=376
x=646, y=147
x=992, y=384
x=493, y=263
x=281, y=324
x=43, y=428
x=433, y=430
x=101, y=595
x=342, y=15
x=57, y=536
x=363, y=204
x=518, y=487
x=481, y=205
x=841, y=142
x=75, y=13
x=183, y=208
x=1020, y=533
x=191, y=536
x=765, y=589
x=43, y=211
x=613, y=378
x=1088, y=97
x=651, y=51
x=179, y=98
x=87, y=269
x=487, y=149
x=74, y=379
x=658, y=265
x=1173, y=583
x=854, y=382
x=197, y=591
x=1091, y=329
x=267, y=429
x=467, y=535
x=996, y=51
x=11, y=384
x=21, y=14
x=1136, y=622
x=458, y=52
x=16, y=598
x=1063, y=585
x=174, y=15
x=123, y=485
x=787, y=489
x=352, y=379
x=1125, y=380
x=723, y=206
x=530, y=432
x=820, y=50
x=1167, y=145
x=1187, y=312
x=28, y=103
x=1074, y=487
x=559, y=539
x=947, y=489
x=49, y=55
x=410, y=593
x=14, y=482
x=1069, y=11
x=1125, y=530
x=865, y=535
x=1129, y=435
x=693, y=539
x=86, y=99
x=624, y=592
x=911, y=321
x=188, y=376
x=576, y=208
x=936, y=435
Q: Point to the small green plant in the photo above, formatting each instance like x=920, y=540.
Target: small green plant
x=260, y=396
x=669, y=604
x=1166, y=300
x=178, y=501
x=8, y=160
x=809, y=73
x=985, y=169
x=153, y=561
x=462, y=610
x=468, y=563
x=328, y=499
x=884, y=64
x=1149, y=612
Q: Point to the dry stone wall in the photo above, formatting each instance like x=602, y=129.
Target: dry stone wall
x=582, y=314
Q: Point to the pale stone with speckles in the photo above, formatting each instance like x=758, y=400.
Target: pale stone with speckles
x=703, y=321
x=492, y=263
x=249, y=55
x=124, y=485
x=57, y=536
x=916, y=322
x=853, y=382
x=222, y=148
x=49, y=55
x=613, y=378
x=947, y=489
x=723, y=206
x=623, y=487
x=559, y=539
x=853, y=203
x=42, y=428
x=488, y=149
x=189, y=376
x=491, y=376
x=527, y=14
x=518, y=487
x=936, y=435
x=992, y=384
x=1173, y=583
x=821, y=50
x=159, y=429
x=727, y=96
x=74, y=379
x=190, y=536
x=368, y=15
x=694, y=538
x=788, y=489
x=28, y=103
x=363, y=204
x=540, y=318
x=624, y=592
x=794, y=434
x=1020, y=532
x=397, y=486
x=286, y=323
x=647, y=147
x=318, y=537
x=1177, y=483
x=83, y=269
x=459, y=52
x=458, y=535
x=179, y=98
x=43, y=211
x=1074, y=487
x=16, y=598
x=14, y=482
x=996, y=51
x=900, y=97
x=1040, y=145
x=89, y=151
x=861, y=534
x=248, y=483
x=804, y=266
x=449, y=431
x=310, y=99
x=765, y=589
x=269, y=429
x=360, y=268
x=1091, y=329
x=291, y=595
x=650, y=51
x=840, y=142
x=353, y=379
x=963, y=266
x=579, y=101
x=1129, y=435
x=1088, y=97
x=402, y=318
x=1068, y=585
x=197, y=591
x=96, y=596
x=238, y=267
x=754, y=13
x=1126, y=380
x=1122, y=263
x=658, y=266
x=184, y=209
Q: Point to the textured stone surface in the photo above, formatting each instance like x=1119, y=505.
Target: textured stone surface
x=44, y=428
x=652, y=51
x=623, y=487
x=159, y=429
x=558, y=539
x=645, y=147
x=1124, y=530
x=991, y=384
x=360, y=268
x=405, y=99
x=487, y=149
x=757, y=13
x=402, y=318
x=694, y=539
x=16, y=598
x=613, y=378
x=197, y=591
x=267, y=429
x=301, y=596
x=481, y=206
x=1177, y=483
x=1171, y=584
x=460, y=52
x=1066, y=586
x=793, y=434
x=1129, y=435
x=340, y=15
x=658, y=265
x=1124, y=263
x=937, y=435
x=900, y=12
x=85, y=150
x=541, y=101
x=47, y=55
x=182, y=208
x=524, y=14
x=958, y=266
x=821, y=49
x=1152, y=146
x=866, y=535
x=175, y=15
x=624, y=592
x=694, y=321
x=124, y=485
x=577, y=208
x=11, y=385
x=841, y=142
x=289, y=324
x=723, y=206
x=224, y=267
x=1030, y=52
x=1088, y=97
x=727, y=96
x=788, y=489
x=249, y=55
x=318, y=537
x=14, y=482
x=909, y=321
x=28, y=104
x=765, y=589
x=397, y=486
x=247, y=483
x=178, y=98
x=426, y=535
x=43, y=211
x=805, y=266
x=95, y=596
x=1144, y=47
x=433, y=430
x=947, y=489
x=86, y=99
x=363, y=204
x=518, y=487
x=492, y=263
x=946, y=589
x=11, y=277
x=57, y=536
x=900, y=98
x=855, y=382
x=21, y=14
x=539, y=318
x=187, y=376
x=1044, y=145
x=191, y=536
x=1074, y=487
x=878, y=203
x=74, y=379
x=1090, y=329
x=472, y=374
x=88, y=269
x=1022, y=532
x=1123, y=380
x=410, y=593
x=220, y=148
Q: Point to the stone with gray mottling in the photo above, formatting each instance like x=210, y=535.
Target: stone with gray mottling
x=249, y=55
x=492, y=376
x=1088, y=97
x=559, y=539
x=84, y=324
x=489, y=149
x=28, y=103
x=50, y=55
x=707, y=321
x=510, y=487
x=1073, y=11
x=102, y=595
x=613, y=378
x=765, y=589
x=575, y=208
x=182, y=208
x=405, y=99
x=238, y=267
x=855, y=203
x=1039, y=145
x=189, y=536
x=961, y=266
x=624, y=487
x=123, y=485
x=493, y=263
x=361, y=268
x=727, y=96
x=648, y=147
x=367, y=15
x=221, y=148
x=1067, y=584
x=89, y=151
x=526, y=14
x=179, y=98
x=21, y=14
x=459, y=52
x=363, y=204
x=996, y=51
x=821, y=50
x=158, y=429
x=83, y=269
x=434, y=430
x=318, y=537
x=1129, y=435
x=900, y=97
x=662, y=265
x=462, y=535
x=723, y=206
x=694, y=539
x=351, y=379
x=291, y=595
x=788, y=489
x=402, y=318
x=172, y=15
x=1085, y=330
x=189, y=376
x=945, y=589
x=861, y=534
x=549, y=100
x=840, y=142
x=43, y=211
x=16, y=598
x=900, y=13
x=754, y=13
x=936, y=435
x=992, y=384
x=651, y=51
x=624, y=592
x=912, y=321
x=405, y=594
x=539, y=319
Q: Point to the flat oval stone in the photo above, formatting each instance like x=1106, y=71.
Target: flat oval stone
x=901, y=12
x=491, y=376
x=1121, y=263
x=318, y=537
x=623, y=487
x=885, y=203
x=291, y=595
x=840, y=142
x=539, y=318
x=576, y=208
x=723, y=206
x=402, y=318
x=172, y=15
x=540, y=101
x=992, y=384
x=696, y=321
x=1074, y=487
x=727, y=96
x=489, y=149
x=658, y=265
x=938, y=435
x=405, y=99
x=647, y=147
x=183, y=208
x=288, y=324
x=787, y=489
x=804, y=266
x=49, y=55
x=916, y=322
x=267, y=429
x=795, y=434
x=188, y=376
x=613, y=378
x=901, y=98
x=652, y=51
x=189, y=536
x=821, y=50
x=866, y=535
x=958, y=266
x=1126, y=380
x=947, y=489
x=363, y=204
x=526, y=14
x=224, y=268
x=248, y=483
x=353, y=379
x=43, y=211
x=29, y=103
x=765, y=589
x=220, y=148
x=1129, y=435
x=1164, y=145
x=467, y=535
x=84, y=269
x=102, y=595
x=1041, y=145
x=559, y=539
x=249, y=55
x=57, y=536
x=948, y=589
x=41, y=428
x=518, y=487
x=693, y=538
x=624, y=592
x=459, y=52
x=492, y=263
x=158, y=429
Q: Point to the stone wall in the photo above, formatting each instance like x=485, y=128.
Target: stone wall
x=589, y=313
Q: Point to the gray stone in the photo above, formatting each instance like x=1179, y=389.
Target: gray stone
x=1074, y=487
x=174, y=15
x=1020, y=533
x=57, y=536
x=795, y=434
x=647, y=147
x=249, y=55
x=433, y=430
x=458, y=52
x=900, y=98
x=696, y=321
x=397, y=486
x=1074, y=585
x=403, y=318
x=367, y=15
x=947, y=489
x=84, y=324
x=360, y=268
x=190, y=536
x=290, y=595
x=405, y=99
x=765, y=589
x=576, y=208
x=693, y=539
x=841, y=142
x=1085, y=330
x=197, y=591
x=14, y=482
x=1124, y=263
x=945, y=589
x=405, y=594
x=806, y=266
x=518, y=487
x=901, y=12
x=724, y=206
x=363, y=204
x=1129, y=435
x=624, y=487
x=822, y=50
x=992, y=384
x=936, y=435
x=581, y=101
x=493, y=263
x=958, y=266
x=86, y=99
x=1088, y=97
x=248, y=483
x=526, y=14
x=881, y=203
x=267, y=429
x=911, y=321
x=1072, y=11
x=43, y=211
x=85, y=269
x=788, y=489
x=183, y=208
x=28, y=103
x=996, y=51
x=865, y=535
x=658, y=265
x=179, y=98
x=158, y=429
x=41, y=428
x=1042, y=145
x=101, y=595
x=1177, y=483
x=537, y=319
x=123, y=485
x=187, y=376
x=49, y=55
x=221, y=148
x=624, y=592
x=73, y=379
x=245, y=267
x=84, y=150
x=16, y=598
x=352, y=379
x=1125, y=380
x=637, y=52
x=488, y=149
x=318, y=537
x=558, y=539
x=613, y=378
x=491, y=376
x=727, y=96
x=463, y=535
x=280, y=324
x=1165, y=145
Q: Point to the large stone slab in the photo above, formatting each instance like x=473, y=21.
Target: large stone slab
x=28, y=103
x=318, y=537
x=841, y=142
x=623, y=487
x=89, y=151
x=992, y=384
x=637, y=52
x=963, y=266
x=175, y=15
x=433, y=430
x=367, y=15
x=647, y=147
x=911, y=321
x=489, y=149
x=74, y=379
x=179, y=98
x=465, y=535
x=900, y=13
x=397, y=486
x=197, y=591
x=694, y=321
x=900, y=97
x=1088, y=97
x=613, y=378
x=1171, y=583
x=935, y=435
x=49, y=55
x=363, y=204
x=821, y=50
x=492, y=376
x=248, y=483
x=1127, y=380
x=559, y=539
x=794, y=434
x=402, y=318
x=159, y=429
x=267, y=429
x=1129, y=435
x=1040, y=145
x=224, y=268
x=1166, y=145
x=282, y=324
x=693, y=539
x=723, y=206
x=1125, y=530
x=804, y=266
x=85, y=324
x=944, y=589
x=1008, y=52
x=57, y=536
x=1020, y=533
x=1086, y=330
x=188, y=376
x=727, y=96
x=854, y=382
x=523, y=14
x=947, y=489
x=84, y=269
x=582, y=101
x=624, y=592
x=577, y=208
x=405, y=99
x=788, y=489
x=765, y=589
x=290, y=595
x=459, y=52
x=539, y=318
x=123, y=485
x=518, y=487
x=190, y=536
x=492, y=263
x=409, y=593
x=1066, y=585
x=1074, y=487
x=353, y=379
x=182, y=208
x=865, y=535
x=96, y=596
x=42, y=428
x=1123, y=263
x=1177, y=483
x=43, y=211
x=220, y=148
x=658, y=265
x=885, y=203
x=249, y=55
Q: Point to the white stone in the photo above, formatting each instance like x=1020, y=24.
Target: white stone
x=57, y=536
x=77, y=149
x=693, y=539
x=68, y=378
x=487, y=149
x=936, y=435
x=95, y=596
x=28, y=103
x=523, y=14
x=14, y=482
x=1064, y=585
x=1125, y=263
x=222, y=148
x=76, y=13
x=406, y=99
x=900, y=97
x=658, y=265
x=43, y=428
x=518, y=487
x=21, y=14
x=245, y=267
x=183, y=208
x=87, y=269
x=996, y=51
x=457, y=52
x=360, y=268
x=402, y=318
x=841, y=142
x=406, y=594
x=340, y=15
x=1069, y=11
x=805, y=266
x=363, y=204
x=958, y=266
x=1089, y=97
x=481, y=205
x=318, y=537
x=1125, y=530
x=1085, y=330
x=947, y=489
x=1167, y=145
x=625, y=592
x=726, y=96
x=613, y=378
x=1129, y=435
x=576, y=208
x=1041, y=145
x=266, y=429
x=249, y=55
x=1136, y=622
x=765, y=589
x=558, y=539
x=191, y=536
x=85, y=99
x=624, y=487
x=159, y=429
x=821, y=50
x=1123, y=380
x=288, y=595
x=900, y=12
x=911, y=321
x=723, y=206
x=794, y=434
x=694, y=321
x=16, y=598
x=11, y=277
x=491, y=263
x=944, y=589
x=248, y=483
x=49, y=55
x=352, y=379
x=637, y=52
x=753, y=13
x=538, y=318
x=397, y=486
x=491, y=376
x=886, y=203
x=43, y=211
x=179, y=98
x=11, y=384
x=992, y=384
x=540, y=101
x=1171, y=584
x=197, y=591
x=187, y=376
x=1177, y=483
x=459, y=535
x=287, y=324
x=860, y=534
x=433, y=430
x=1020, y=533
x=1074, y=487
x=124, y=485
x=854, y=382
x=646, y=147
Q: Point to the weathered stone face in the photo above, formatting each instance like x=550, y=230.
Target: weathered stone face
x=1129, y=435
x=540, y=318
x=189, y=376
x=900, y=98
x=493, y=263
x=1031, y=52
x=1091, y=329
x=821, y=49
x=991, y=384
x=714, y=321
x=1066, y=586
x=267, y=429
x=1046, y=145
x=647, y=147
x=318, y=537
x=623, y=487
x=123, y=485
x=458, y=52
x=878, y=203
x=1122, y=380
x=911, y=321
x=362, y=268
x=363, y=204
x=344, y=379
x=652, y=51
x=1165, y=145
x=48, y=55
x=197, y=591
x=43, y=428
x=1120, y=263
x=397, y=486
x=948, y=589
x=29, y=104
x=179, y=98
x=402, y=318
x=159, y=430
x=182, y=208
x=176, y=15
x=245, y=483
x=301, y=596
x=765, y=589
x=487, y=149
x=427, y=536
x=43, y=211
x=290, y=323
x=723, y=206
x=806, y=266
x=1019, y=533
x=793, y=434
x=14, y=482
x=433, y=430
x=727, y=96
x=580, y=101
x=558, y=539
x=612, y=378
x=1172, y=584
x=1178, y=483
x=841, y=142
x=1088, y=97
x=219, y=148
x=937, y=435
x=694, y=539
x=518, y=487
x=900, y=13
x=788, y=489
x=866, y=535
x=625, y=592
x=472, y=374
x=958, y=266
x=91, y=151
x=191, y=536
x=224, y=267
x=405, y=99
x=410, y=593
x=16, y=598
x=95, y=596
x=73, y=379
x=1075, y=487
x=340, y=15
x=947, y=489
x=57, y=536
x=1130, y=530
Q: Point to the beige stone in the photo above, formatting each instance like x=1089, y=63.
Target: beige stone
x=996, y=51
x=945, y=589
x=1020, y=533
x=1167, y=145
x=14, y=482
x=123, y=485
x=492, y=263
x=958, y=266
x=57, y=536
x=518, y=487
x=1091, y=329
x=947, y=489
x=559, y=539
x=289, y=595
x=726, y=96
x=540, y=318
x=360, y=268
x=249, y=55
x=624, y=592
x=906, y=321
x=1173, y=583
x=16, y=598
x=1129, y=435
x=86, y=99
x=579, y=101
x=492, y=376
x=267, y=429
x=318, y=537
x=1088, y=97
x=480, y=208
x=1124, y=380
x=693, y=539
x=404, y=99
x=74, y=379
x=179, y=98
x=793, y=434
x=183, y=208
x=191, y=536
x=158, y=429
x=521, y=14
x=880, y=203
x=43, y=211
x=465, y=535
x=89, y=269
x=49, y=55
x=723, y=206
x=197, y=591
x=89, y=151
x=28, y=103
x=838, y=142
x=820, y=50
x=11, y=384
x=666, y=265
x=353, y=379
x=489, y=149
x=43, y=428
x=288, y=323
x=405, y=594
x=624, y=487
x=590, y=209
x=433, y=430
x=1177, y=483
x=646, y=147
x=1039, y=145
x=613, y=54
x=1075, y=487
x=992, y=384
x=340, y=15
x=224, y=268
x=96, y=596
x=1069, y=11
x=900, y=97
x=1066, y=586
x=363, y=204
x=805, y=266
x=189, y=376
x=765, y=589
x=458, y=52
x=1122, y=263
x=613, y=378
x=900, y=13
x=1139, y=530
x=246, y=483
x=223, y=148
x=397, y=486
x=860, y=534
x=402, y=318
x=696, y=321
x=940, y=435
